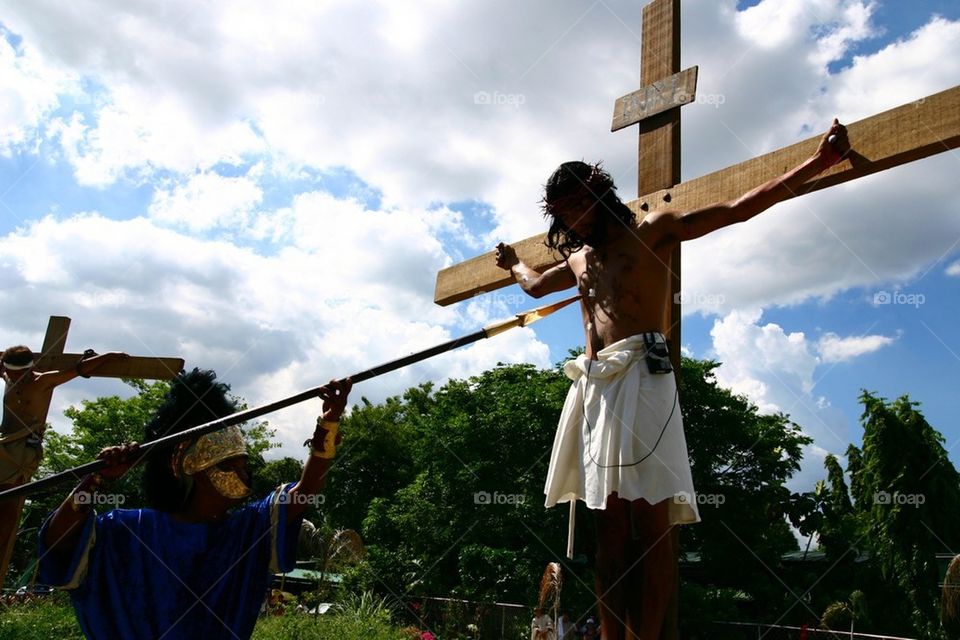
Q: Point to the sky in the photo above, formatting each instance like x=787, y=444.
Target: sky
x=269, y=189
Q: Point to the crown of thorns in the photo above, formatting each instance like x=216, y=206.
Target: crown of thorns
x=571, y=181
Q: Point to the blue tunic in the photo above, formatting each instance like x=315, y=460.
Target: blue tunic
x=138, y=573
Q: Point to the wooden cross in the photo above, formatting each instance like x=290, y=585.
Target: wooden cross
x=53, y=358
x=910, y=132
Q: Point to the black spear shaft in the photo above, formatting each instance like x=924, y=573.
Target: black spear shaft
x=520, y=320
x=242, y=416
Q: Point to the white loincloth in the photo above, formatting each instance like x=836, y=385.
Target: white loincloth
x=627, y=408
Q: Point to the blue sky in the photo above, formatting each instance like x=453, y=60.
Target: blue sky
x=271, y=193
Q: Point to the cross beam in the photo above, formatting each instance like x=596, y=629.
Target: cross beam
x=912, y=131
x=147, y=368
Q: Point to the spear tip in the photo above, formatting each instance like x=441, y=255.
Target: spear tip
x=526, y=318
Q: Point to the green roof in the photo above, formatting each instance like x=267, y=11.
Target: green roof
x=307, y=574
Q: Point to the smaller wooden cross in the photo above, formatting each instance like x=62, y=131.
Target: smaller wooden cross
x=52, y=358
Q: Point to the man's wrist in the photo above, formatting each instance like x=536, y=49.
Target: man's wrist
x=323, y=444
x=87, y=354
x=515, y=271
x=82, y=496
x=820, y=161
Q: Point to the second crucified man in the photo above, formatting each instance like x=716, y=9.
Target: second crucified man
x=620, y=445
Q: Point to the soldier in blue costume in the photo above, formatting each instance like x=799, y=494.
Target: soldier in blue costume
x=198, y=563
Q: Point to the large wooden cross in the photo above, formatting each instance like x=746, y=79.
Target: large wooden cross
x=910, y=132
x=53, y=358
x=918, y=129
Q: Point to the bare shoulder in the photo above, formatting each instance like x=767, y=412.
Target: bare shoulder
x=658, y=220
x=660, y=228
x=576, y=261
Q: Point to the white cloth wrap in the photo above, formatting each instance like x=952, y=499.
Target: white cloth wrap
x=626, y=407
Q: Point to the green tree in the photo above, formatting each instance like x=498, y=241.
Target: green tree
x=471, y=521
x=839, y=531
x=911, y=504
x=741, y=461
x=902, y=508
x=488, y=439
x=376, y=457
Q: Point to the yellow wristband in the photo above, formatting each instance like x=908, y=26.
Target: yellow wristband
x=329, y=450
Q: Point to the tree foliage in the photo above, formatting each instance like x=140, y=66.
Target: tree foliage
x=902, y=508
x=446, y=484
x=741, y=461
x=449, y=483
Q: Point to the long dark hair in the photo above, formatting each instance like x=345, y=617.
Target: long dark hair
x=194, y=398
x=571, y=183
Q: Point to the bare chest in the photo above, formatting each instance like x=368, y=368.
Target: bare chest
x=20, y=400
x=620, y=277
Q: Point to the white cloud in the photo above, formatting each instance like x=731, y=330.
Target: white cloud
x=854, y=235
x=833, y=348
x=184, y=85
x=30, y=91
x=775, y=24
x=223, y=85
x=953, y=269
x=781, y=372
x=138, y=133
x=174, y=90
x=205, y=201
x=759, y=360
x=909, y=69
x=272, y=325
x=776, y=371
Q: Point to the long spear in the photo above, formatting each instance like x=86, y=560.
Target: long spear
x=520, y=320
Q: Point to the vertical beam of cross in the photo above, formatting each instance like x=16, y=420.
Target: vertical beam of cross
x=659, y=146
x=659, y=168
x=53, y=345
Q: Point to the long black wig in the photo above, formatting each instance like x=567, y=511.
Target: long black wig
x=571, y=184
x=194, y=398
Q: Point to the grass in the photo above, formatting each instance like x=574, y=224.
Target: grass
x=360, y=619
x=47, y=617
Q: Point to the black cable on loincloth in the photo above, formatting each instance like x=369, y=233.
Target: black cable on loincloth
x=583, y=409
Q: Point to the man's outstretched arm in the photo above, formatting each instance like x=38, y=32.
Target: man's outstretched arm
x=680, y=226
x=64, y=527
x=86, y=367
x=322, y=446
x=532, y=282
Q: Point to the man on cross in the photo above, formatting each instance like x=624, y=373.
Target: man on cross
x=24, y=408
x=25, y=400
x=619, y=444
